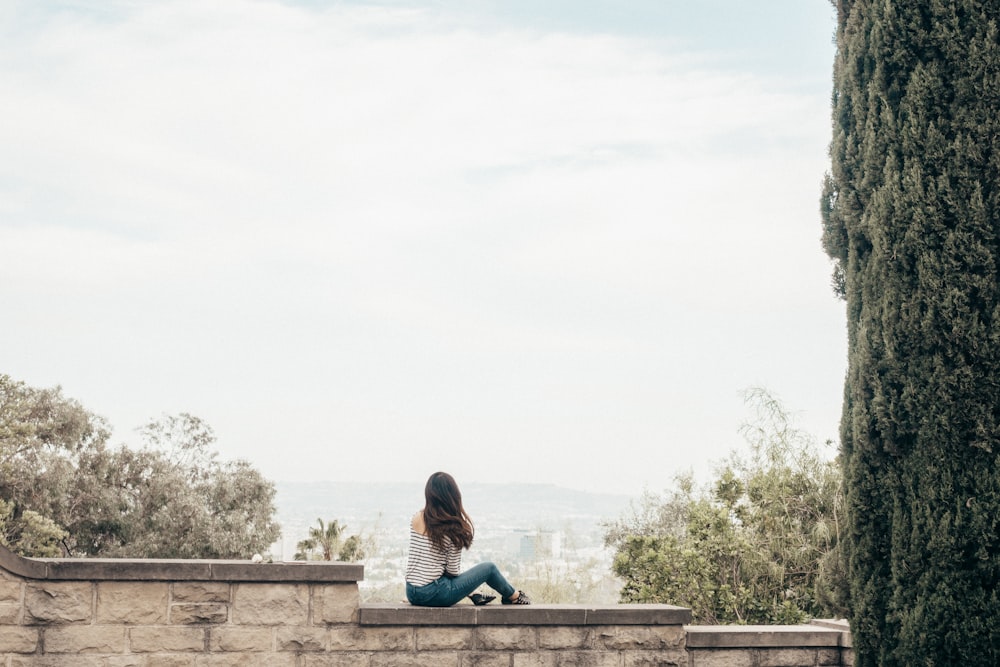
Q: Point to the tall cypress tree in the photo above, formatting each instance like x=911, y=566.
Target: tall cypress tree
x=910, y=215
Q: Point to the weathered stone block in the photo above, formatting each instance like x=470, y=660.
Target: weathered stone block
x=197, y=612
x=132, y=602
x=336, y=660
x=122, y=661
x=431, y=659
x=562, y=637
x=270, y=604
x=301, y=639
x=150, y=639
x=335, y=603
x=246, y=660
x=85, y=639
x=828, y=657
x=535, y=659
x=788, y=657
x=18, y=640
x=443, y=639
x=58, y=602
x=502, y=638
x=354, y=638
x=10, y=591
x=486, y=659
x=668, y=658
x=77, y=661
x=200, y=591
x=176, y=660
x=10, y=614
x=640, y=637
x=241, y=639
x=721, y=658
x=586, y=659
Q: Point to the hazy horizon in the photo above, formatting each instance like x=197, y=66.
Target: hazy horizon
x=368, y=240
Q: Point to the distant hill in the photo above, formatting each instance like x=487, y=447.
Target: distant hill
x=361, y=504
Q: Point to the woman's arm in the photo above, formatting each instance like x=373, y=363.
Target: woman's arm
x=453, y=562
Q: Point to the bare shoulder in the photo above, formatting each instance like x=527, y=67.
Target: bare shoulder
x=417, y=523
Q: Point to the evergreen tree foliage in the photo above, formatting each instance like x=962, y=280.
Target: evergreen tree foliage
x=758, y=546
x=910, y=215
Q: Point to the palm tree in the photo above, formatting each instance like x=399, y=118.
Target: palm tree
x=325, y=538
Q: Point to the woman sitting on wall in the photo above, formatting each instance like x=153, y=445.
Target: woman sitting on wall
x=438, y=534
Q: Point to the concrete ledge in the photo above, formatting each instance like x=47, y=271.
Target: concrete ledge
x=127, y=569
x=762, y=636
x=536, y=614
x=837, y=624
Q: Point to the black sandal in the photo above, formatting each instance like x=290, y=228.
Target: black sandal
x=479, y=599
x=521, y=598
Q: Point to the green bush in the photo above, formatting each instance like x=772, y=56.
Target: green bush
x=759, y=545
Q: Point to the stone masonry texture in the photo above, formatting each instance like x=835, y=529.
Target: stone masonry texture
x=103, y=613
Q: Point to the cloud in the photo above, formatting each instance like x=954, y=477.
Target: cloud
x=374, y=225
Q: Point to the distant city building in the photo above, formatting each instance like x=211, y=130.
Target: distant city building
x=531, y=545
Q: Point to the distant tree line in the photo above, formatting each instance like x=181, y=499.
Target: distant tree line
x=65, y=491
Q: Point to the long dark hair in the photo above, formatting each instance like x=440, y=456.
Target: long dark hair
x=444, y=516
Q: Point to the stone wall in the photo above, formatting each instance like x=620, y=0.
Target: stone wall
x=149, y=613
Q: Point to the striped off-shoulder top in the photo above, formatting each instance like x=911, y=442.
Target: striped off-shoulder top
x=426, y=563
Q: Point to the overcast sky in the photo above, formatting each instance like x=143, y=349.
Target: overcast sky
x=516, y=240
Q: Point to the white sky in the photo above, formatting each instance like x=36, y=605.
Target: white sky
x=537, y=241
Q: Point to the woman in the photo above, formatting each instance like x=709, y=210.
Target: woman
x=438, y=534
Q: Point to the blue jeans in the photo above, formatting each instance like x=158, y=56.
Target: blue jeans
x=446, y=591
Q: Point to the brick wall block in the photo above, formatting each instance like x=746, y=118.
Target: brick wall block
x=335, y=603
x=563, y=637
x=58, y=602
x=486, y=659
x=336, y=660
x=432, y=659
x=251, y=660
x=199, y=612
x=641, y=637
x=165, y=638
x=18, y=640
x=78, y=661
x=546, y=659
x=241, y=639
x=132, y=602
x=85, y=639
x=828, y=657
x=500, y=638
x=725, y=658
x=170, y=660
x=443, y=639
x=10, y=591
x=199, y=591
x=301, y=639
x=584, y=659
x=677, y=657
x=356, y=638
x=270, y=604
x=10, y=614
x=786, y=657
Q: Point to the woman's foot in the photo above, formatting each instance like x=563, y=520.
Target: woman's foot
x=479, y=599
x=519, y=597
